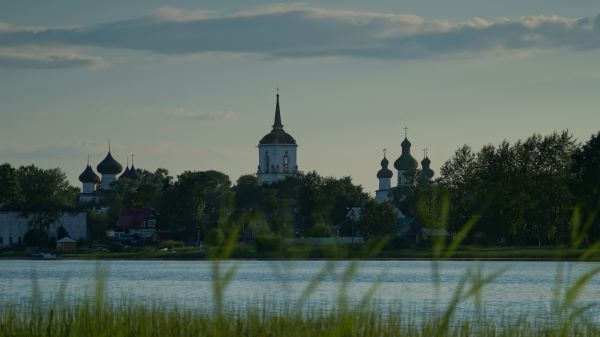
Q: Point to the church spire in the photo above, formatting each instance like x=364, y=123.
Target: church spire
x=277, y=124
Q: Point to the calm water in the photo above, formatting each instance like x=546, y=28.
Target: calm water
x=523, y=287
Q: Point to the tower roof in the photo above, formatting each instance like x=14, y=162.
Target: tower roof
x=131, y=173
x=426, y=170
x=89, y=176
x=406, y=161
x=109, y=165
x=385, y=172
x=277, y=135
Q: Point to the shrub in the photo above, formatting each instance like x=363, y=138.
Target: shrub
x=269, y=244
x=171, y=244
x=214, y=237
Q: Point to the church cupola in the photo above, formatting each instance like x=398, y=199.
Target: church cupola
x=109, y=168
x=384, y=193
x=406, y=162
x=131, y=173
x=89, y=180
x=425, y=167
x=276, y=152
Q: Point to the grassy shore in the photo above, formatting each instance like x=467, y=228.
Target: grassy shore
x=331, y=252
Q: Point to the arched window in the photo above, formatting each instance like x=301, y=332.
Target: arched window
x=286, y=163
x=267, y=162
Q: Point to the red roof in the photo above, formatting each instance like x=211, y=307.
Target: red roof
x=135, y=218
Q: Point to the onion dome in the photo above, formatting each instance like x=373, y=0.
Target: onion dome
x=109, y=165
x=89, y=176
x=406, y=161
x=385, y=172
x=427, y=171
x=277, y=135
x=131, y=173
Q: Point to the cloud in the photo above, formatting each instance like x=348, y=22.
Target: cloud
x=301, y=31
x=186, y=114
x=12, y=58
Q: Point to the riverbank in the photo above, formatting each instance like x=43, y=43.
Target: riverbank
x=295, y=252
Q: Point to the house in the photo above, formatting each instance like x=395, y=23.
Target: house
x=66, y=245
x=139, y=223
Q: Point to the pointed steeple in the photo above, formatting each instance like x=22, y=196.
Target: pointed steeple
x=277, y=124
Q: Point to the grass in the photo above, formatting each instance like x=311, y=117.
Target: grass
x=99, y=316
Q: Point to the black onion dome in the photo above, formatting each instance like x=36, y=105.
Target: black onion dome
x=385, y=172
x=427, y=171
x=126, y=172
x=277, y=135
x=131, y=173
x=109, y=165
x=406, y=161
x=89, y=176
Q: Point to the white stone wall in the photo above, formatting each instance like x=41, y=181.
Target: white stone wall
x=107, y=180
x=385, y=183
x=273, y=169
x=382, y=196
x=88, y=188
x=13, y=225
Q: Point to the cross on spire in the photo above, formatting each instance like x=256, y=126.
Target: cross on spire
x=88, y=160
x=405, y=132
x=384, y=152
x=425, y=153
x=132, y=155
x=109, y=145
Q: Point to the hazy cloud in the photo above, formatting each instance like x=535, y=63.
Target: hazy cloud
x=11, y=58
x=299, y=31
x=186, y=114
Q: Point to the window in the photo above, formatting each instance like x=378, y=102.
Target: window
x=286, y=163
x=1, y=240
x=268, y=162
x=19, y=240
x=10, y=240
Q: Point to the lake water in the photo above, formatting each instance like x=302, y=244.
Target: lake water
x=522, y=287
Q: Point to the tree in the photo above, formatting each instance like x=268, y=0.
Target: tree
x=586, y=184
x=377, y=220
x=44, y=193
x=11, y=188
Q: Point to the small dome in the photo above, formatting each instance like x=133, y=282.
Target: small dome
x=89, y=176
x=277, y=136
x=384, y=172
x=131, y=173
x=427, y=171
x=109, y=165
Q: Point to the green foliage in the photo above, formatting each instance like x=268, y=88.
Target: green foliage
x=11, y=187
x=269, y=244
x=377, y=220
x=37, y=237
x=214, y=237
x=521, y=192
x=61, y=232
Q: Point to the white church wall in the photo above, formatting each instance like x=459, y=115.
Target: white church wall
x=107, y=180
x=13, y=226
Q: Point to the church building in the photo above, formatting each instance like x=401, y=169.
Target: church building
x=109, y=168
x=276, y=153
x=405, y=164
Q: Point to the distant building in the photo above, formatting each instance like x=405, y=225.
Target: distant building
x=109, y=168
x=14, y=226
x=405, y=164
x=66, y=245
x=137, y=223
x=276, y=153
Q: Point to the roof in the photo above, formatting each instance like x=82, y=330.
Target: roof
x=406, y=161
x=277, y=135
x=109, y=165
x=427, y=171
x=135, y=218
x=89, y=176
x=385, y=172
x=66, y=239
x=131, y=173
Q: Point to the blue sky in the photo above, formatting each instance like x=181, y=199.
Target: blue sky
x=190, y=85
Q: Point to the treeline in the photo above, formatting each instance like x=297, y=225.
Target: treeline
x=521, y=194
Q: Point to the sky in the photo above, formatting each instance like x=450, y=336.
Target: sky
x=190, y=85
